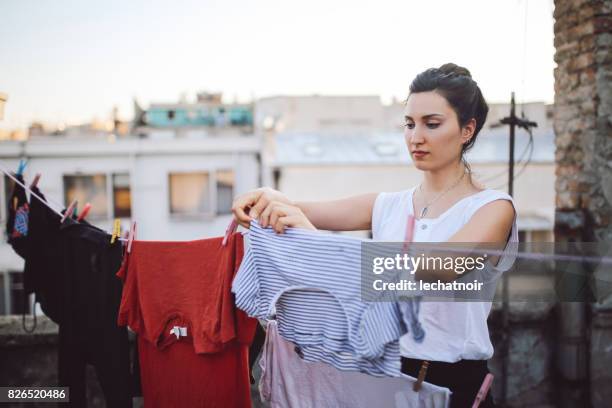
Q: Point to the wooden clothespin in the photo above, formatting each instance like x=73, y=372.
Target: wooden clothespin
x=35, y=181
x=116, y=230
x=70, y=210
x=422, y=373
x=21, y=167
x=131, y=236
x=84, y=212
x=231, y=228
x=484, y=389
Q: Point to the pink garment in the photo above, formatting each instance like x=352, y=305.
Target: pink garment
x=287, y=381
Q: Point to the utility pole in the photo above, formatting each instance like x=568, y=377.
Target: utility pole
x=513, y=121
x=3, y=99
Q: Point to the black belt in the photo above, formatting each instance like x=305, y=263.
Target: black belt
x=441, y=373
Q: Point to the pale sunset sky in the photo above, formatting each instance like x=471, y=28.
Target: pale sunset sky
x=67, y=61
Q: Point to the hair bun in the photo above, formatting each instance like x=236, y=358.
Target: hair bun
x=451, y=68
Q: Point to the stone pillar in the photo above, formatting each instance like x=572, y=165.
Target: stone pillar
x=583, y=129
x=583, y=116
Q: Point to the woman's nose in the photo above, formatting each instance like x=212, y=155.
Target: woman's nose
x=415, y=136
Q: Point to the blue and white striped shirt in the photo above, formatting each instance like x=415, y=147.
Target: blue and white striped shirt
x=313, y=280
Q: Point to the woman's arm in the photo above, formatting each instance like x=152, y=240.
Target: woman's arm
x=347, y=214
x=267, y=206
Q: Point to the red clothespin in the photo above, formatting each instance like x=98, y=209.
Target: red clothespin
x=484, y=389
x=131, y=236
x=84, y=212
x=231, y=228
x=69, y=210
x=35, y=181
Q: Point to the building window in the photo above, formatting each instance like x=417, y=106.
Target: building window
x=18, y=305
x=122, y=198
x=88, y=189
x=3, y=295
x=8, y=190
x=12, y=295
x=225, y=191
x=171, y=115
x=109, y=195
x=189, y=193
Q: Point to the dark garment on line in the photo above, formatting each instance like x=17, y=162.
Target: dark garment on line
x=44, y=263
x=88, y=333
x=17, y=220
x=463, y=378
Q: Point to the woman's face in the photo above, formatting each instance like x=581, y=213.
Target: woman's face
x=433, y=135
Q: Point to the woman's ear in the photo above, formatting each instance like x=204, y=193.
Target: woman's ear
x=467, y=132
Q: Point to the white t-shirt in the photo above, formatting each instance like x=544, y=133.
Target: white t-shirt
x=454, y=330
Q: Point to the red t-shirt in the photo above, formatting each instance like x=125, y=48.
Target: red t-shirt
x=187, y=285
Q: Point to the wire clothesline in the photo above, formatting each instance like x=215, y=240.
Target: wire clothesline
x=519, y=254
x=33, y=194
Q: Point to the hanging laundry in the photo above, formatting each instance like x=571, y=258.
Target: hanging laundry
x=193, y=342
x=313, y=280
x=42, y=271
x=289, y=381
x=88, y=332
x=17, y=220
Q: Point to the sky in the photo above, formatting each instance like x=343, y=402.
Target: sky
x=69, y=62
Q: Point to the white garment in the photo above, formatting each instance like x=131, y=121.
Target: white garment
x=287, y=381
x=455, y=330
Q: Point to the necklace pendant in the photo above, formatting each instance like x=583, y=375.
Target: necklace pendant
x=423, y=212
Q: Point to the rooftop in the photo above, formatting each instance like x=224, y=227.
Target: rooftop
x=492, y=146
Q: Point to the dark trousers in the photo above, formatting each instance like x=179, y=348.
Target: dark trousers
x=463, y=378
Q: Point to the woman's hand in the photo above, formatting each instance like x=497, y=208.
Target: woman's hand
x=270, y=208
x=279, y=215
x=250, y=205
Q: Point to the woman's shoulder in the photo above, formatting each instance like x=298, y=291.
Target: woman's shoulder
x=486, y=196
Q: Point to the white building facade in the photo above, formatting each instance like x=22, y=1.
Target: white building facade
x=174, y=189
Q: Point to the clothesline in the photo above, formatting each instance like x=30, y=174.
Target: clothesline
x=33, y=194
x=519, y=254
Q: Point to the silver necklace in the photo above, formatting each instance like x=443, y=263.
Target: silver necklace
x=426, y=207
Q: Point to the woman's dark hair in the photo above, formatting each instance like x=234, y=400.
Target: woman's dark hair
x=456, y=85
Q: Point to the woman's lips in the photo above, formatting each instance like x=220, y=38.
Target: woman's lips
x=419, y=155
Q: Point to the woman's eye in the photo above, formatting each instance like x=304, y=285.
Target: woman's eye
x=409, y=125
x=433, y=125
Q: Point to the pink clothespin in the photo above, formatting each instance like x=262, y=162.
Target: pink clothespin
x=231, y=228
x=69, y=210
x=84, y=212
x=409, y=231
x=35, y=181
x=484, y=389
x=131, y=236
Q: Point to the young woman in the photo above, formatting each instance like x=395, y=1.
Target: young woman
x=445, y=111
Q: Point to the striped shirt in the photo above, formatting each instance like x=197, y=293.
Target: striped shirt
x=311, y=281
